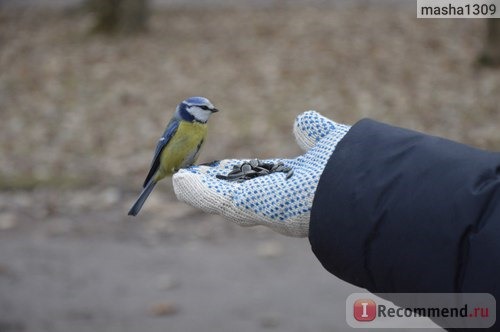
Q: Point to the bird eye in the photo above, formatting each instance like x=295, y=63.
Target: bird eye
x=203, y=107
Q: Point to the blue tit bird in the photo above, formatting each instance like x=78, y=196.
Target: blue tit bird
x=179, y=146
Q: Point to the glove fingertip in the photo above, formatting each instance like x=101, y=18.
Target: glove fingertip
x=190, y=188
x=310, y=127
x=184, y=184
x=304, y=127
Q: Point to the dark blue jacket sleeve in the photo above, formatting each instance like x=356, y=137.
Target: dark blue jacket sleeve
x=400, y=211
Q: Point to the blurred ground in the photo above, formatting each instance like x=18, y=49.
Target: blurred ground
x=87, y=267
x=86, y=104
x=212, y=3
x=100, y=271
x=80, y=116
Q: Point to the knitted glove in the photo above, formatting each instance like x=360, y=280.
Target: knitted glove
x=272, y=200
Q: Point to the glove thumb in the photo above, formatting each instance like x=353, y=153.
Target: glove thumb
x=310, y=127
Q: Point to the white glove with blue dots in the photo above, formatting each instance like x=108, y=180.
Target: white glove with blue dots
x=271, y=200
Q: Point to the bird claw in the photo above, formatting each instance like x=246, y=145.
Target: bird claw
x=211, y=163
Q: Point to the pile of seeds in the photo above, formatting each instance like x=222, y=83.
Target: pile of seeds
x=255, y=168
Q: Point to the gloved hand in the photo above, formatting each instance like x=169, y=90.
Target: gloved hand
x=272, y=200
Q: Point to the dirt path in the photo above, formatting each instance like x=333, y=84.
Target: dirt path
x=102, y=271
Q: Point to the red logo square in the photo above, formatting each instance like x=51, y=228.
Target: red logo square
x=365, y=310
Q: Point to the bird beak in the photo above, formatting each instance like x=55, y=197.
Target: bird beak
x=214, y=110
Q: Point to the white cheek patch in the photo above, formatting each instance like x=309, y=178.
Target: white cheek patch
x=199, y=114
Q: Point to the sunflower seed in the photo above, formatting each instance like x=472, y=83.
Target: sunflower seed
x=254, y=168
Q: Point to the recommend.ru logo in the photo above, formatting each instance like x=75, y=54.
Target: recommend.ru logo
x=415, y=310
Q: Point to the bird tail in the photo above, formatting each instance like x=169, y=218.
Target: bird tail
x=134, y=210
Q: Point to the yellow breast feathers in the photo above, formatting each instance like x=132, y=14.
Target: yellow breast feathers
x=183, y=148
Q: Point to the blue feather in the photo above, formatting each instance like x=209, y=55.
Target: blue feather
x=183, y=112
x=134, y=210
x=197, y=101
x=162, y=142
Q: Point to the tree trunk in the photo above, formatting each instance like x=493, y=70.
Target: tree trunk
x=119, y=16
x=491, y=53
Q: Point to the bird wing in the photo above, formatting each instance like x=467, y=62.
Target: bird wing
x=162, y=142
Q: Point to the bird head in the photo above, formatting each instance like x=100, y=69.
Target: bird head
x=196, y=109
